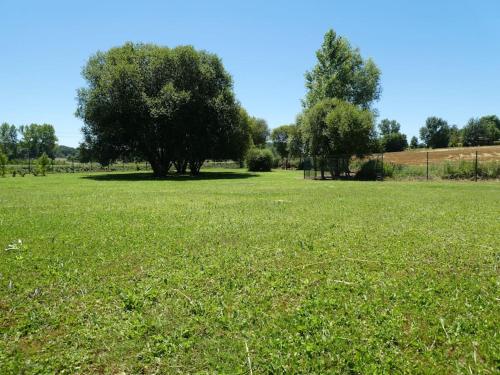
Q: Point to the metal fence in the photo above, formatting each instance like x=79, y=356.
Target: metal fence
x=343, y=167
x=462, y=163
x=471, y=164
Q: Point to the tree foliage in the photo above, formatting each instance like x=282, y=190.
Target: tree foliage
x=3, y=162
x=342, y=73
x=42, y=163
x=455, y=137
x=296, y=147
x=62, y=151
x=259, y=160
x=281, y=140
x=387, y=126
x=414, y=142
x=435, y=133
x=483, y=131
x=259, y=131
x=167, y=105
x=8, y=139
x=392, y=140
x=38, y=139
x=334, y=127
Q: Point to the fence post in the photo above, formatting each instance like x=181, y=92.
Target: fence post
x=475, y=169
x=383, y=167
x=427, y=170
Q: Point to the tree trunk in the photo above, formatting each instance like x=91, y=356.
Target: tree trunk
x=160, y=167
x=322, y=168
x=195, y=166
x=180, y=166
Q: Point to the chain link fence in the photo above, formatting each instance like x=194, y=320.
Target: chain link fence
x=344, y=167
x=474, y=164
x=481, y=163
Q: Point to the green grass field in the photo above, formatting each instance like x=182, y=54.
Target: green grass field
x=235, y=271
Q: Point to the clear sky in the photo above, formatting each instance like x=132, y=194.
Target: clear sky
x=437, y=57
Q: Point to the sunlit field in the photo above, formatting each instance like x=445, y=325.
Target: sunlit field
x=236, y=272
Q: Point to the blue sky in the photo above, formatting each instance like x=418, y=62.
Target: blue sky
x=437, y=57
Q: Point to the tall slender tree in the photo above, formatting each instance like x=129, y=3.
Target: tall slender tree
x=342, y=73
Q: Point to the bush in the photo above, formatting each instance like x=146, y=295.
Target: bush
x=259, y=160
x=368, y=170
x=42, y=163
x=3, y=163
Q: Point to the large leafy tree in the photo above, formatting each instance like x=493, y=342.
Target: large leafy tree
x=342, y=73
x=259, y=131
x=392, y=139
x=483, y=131
x=414, y=142
x=168, y=105
x=333, y=127
x=435, y=133
x=387, y=126
x=8, y=139
x=492, y=120
x=280, y=137
x=394, y=142
x=38, y=139
x=455, y=136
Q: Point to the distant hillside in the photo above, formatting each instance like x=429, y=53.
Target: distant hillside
x=62, y=151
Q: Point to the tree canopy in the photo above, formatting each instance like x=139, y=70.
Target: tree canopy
x=342, y=73
x=38, y=139
x=281, y=139
x=167, y=105
x=483, y=131
x=392, y=139
x=334, y=127
x=435, y=133
x=414, y=142
x=296, y=147
x=259, y=131
x=387, y=126
x=8, y=139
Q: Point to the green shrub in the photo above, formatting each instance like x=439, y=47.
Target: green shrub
x=368, y=170
x=42, y=163
x=3, y=163
x=259, y=160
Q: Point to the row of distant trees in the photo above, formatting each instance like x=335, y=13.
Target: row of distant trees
x=477, y=132
x=31, y=142
x=287, y=140
x=436, y=133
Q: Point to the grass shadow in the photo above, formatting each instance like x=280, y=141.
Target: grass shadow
x=146, y=176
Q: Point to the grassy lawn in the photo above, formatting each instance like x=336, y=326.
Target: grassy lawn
x=124, y=273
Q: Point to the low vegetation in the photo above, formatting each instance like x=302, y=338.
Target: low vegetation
x=231, y=271
x=259, y=160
